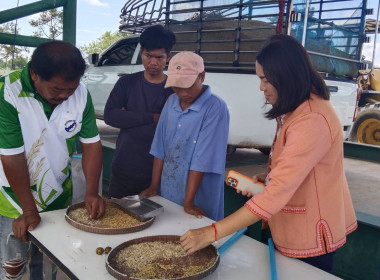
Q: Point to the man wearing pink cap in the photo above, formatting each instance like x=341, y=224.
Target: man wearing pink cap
x=190, y=143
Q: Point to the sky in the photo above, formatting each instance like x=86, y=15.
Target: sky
x=94, y=17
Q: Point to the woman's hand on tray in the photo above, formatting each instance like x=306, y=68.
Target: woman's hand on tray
x=196, y=239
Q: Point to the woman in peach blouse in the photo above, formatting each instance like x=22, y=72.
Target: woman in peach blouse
x=306, y=201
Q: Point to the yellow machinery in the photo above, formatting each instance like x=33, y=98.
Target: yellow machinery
x=366, y=128
x=369, y=80
x=375, y=79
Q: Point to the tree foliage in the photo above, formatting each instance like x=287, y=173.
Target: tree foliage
x=19, y=62
x=48, y=24
x=9, y=52
x=102, y=43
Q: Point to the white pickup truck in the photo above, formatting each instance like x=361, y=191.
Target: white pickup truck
x=228, y=35
x=246, y=103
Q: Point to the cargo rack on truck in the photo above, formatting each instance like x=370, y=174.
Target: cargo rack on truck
x=228, y=34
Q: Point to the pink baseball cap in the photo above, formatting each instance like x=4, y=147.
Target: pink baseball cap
x=184, y=69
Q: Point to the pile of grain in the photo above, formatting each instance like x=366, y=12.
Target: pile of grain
x=112, y=218
x=161, y=260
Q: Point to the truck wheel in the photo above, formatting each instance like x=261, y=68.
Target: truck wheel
x=366, y=128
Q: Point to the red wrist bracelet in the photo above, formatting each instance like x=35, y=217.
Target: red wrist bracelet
x=215, y=231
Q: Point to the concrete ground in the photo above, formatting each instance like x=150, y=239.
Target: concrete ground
x=364, y=182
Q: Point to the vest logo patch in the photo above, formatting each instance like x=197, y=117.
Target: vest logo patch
x=70, y=125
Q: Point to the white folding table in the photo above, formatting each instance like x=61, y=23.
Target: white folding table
x=73, y=250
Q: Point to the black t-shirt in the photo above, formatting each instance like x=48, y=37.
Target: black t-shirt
x=132, y=163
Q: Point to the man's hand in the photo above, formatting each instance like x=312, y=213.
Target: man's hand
x=194, y=180
x=192, y=209
x=95, y=205
x=196, y=239
x=16, y=170
x=29, y=220
x=92, y=168
x=150, y=191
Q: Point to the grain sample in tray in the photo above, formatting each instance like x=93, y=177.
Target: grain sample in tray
x=115, y=220
x=160, y=257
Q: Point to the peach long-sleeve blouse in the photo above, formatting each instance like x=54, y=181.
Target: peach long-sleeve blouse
x=307, y=202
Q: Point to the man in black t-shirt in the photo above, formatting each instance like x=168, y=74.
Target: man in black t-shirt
x=134, y=106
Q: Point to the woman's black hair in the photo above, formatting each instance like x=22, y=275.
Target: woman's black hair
x=156, y=37
x=58, y=58
x=287, y=66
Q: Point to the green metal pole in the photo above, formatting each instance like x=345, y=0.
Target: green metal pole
x=21, y=40
x=362, y=151
x=70, y=21
x=30, y=9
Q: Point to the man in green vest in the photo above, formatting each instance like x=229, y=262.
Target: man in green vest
x=44, y=111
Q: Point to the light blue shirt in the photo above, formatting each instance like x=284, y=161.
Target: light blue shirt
x=193, y=139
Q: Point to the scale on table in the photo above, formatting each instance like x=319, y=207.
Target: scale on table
x=140, y=207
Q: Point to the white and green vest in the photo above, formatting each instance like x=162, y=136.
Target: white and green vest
x=47, y=138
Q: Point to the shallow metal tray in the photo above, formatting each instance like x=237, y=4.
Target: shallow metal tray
x=140, y=207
